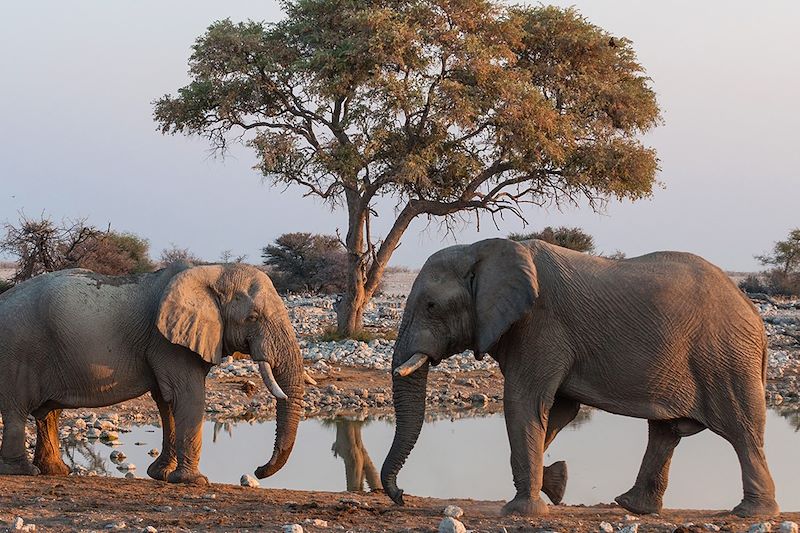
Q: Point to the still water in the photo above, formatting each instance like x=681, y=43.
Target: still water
x=469, y=458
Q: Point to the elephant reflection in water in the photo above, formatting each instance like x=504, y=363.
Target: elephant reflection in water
x=357, y=463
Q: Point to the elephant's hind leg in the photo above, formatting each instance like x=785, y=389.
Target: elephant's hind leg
x=47, y=456
x=167, y=460
x=554, y=477
x=647, y=493
x=13, y=455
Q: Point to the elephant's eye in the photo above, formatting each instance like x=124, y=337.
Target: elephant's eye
x=431, y=306
x=253, y=317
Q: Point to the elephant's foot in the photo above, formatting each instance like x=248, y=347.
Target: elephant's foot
x=52, y=467
x=188, y=477
x=639, y=501
x=766, y=508
x=161, y=468
x=525, y=506
x=554, y=481
x=19, y=467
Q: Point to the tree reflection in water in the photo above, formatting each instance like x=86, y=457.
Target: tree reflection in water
x=358, y=466
x=81, y=454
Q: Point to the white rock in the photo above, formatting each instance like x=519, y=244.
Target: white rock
x=149, y=529
x=126, y=466
x=109, y=435
x=788, y=527
x=630, y=528
x=116, y=525
x=451, y=525
x=249, y=481
x=760, y=527
x=453, y=511
x=153, y=452
x=18, y=523
x=316, y=522
x=711, y=527
x=631, y=518
x=292, y=528
x=605, y=527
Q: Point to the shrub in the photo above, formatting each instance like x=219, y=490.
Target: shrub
x=572, y=238
x=307, y=262
x=173, y=254
x=784, y=278
x=114, y=253
x=754, y=283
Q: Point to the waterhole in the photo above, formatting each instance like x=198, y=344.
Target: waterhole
x=469, y=458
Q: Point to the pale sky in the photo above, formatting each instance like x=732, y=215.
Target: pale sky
x=77, y=137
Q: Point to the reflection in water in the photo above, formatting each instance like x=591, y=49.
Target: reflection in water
x=469, y=458
x=358, y=466
x=83, y=454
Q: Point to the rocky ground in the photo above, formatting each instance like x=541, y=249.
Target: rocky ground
x=103, y=504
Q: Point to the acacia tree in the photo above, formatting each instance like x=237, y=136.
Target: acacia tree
x=572, y=238
x=447, y=106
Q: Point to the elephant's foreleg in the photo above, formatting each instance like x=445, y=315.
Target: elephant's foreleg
x=554, y=477
x=187, y=410
x=13, y=455
x=167, y=460
x=526, y=420
x=647, y=493
x=47, y=456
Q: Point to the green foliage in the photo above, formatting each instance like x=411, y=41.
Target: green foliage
x=305, y=262
x=116, y=253
x=784, y=278
x=447, y=106
x=572, y=238
x=176, y=254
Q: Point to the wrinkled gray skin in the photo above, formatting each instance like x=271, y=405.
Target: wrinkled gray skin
x=665, y=336
x=78, y=339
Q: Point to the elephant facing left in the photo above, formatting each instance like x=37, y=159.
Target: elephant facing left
x=75, y=338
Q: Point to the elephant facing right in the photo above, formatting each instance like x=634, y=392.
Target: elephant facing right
x=666, y=337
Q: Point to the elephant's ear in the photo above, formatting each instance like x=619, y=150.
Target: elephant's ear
x=504, y=287
x=189, y=312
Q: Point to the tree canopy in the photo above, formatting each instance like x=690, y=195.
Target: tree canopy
x=572, y=238
x=447, y=106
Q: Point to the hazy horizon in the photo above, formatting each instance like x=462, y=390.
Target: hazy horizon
x=78, y=139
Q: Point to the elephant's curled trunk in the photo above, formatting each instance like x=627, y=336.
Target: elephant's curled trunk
x=409, y=406
x=288, y=411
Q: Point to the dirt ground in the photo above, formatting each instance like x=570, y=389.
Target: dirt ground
x=96, y=503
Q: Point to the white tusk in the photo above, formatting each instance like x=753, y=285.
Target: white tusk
x=411, y=366
x=308, y=379
x=269, y=380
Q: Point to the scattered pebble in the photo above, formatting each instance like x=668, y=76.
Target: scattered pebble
x=163, y=509
x=153, y=453
x=117, y=456
x=451, y=525
x=711, y=527
x=453, y=511
x=149, y=529
x=116, y=525
x=788, y=527
x=316, y=522
x=632, y=527
x=605, y=527
x=292, y=528
x=249, y=481
x=760, y=527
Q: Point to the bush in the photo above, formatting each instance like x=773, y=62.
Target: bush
x=784, y=278
x=173, y=254
x=307, y=262
x=572, y=238
x=114, y=254
x=754, y=283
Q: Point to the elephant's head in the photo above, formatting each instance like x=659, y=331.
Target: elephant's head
x=217, y=310
x=464, y=297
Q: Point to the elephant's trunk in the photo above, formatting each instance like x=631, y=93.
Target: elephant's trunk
x=409, y=408
x=288, y=372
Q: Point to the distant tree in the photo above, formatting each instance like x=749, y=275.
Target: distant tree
x=174, y=254
x=617, y=256
x=227, y=257
x=116, y=253
x=572, y=238
x=449, y=108
x=306, y=262
x=40, y=246
x=784, y=278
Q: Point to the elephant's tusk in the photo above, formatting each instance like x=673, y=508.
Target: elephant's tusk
x=308, y=379
x=411, y=366
x=269, y=380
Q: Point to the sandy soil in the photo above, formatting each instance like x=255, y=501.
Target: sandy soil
x=58, y=504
